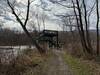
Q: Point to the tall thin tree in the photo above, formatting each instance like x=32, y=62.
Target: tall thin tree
x=97, y=26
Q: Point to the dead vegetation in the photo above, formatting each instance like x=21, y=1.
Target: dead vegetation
x=29, y=59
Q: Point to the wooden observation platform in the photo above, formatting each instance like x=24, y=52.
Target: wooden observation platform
x=50, y=37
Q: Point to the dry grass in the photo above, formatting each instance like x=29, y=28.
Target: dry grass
x=28, y=60
x=82, y=67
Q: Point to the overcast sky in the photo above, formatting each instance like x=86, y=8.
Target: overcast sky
x=10, y=21
x=51, y=21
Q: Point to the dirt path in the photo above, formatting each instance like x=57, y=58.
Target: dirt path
x=56, y=65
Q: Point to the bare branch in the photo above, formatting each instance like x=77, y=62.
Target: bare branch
x=67, y=6
x=27, y=16
x=13, y=12
x=89, y=14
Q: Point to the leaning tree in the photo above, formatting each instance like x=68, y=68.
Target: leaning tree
x=24, y=23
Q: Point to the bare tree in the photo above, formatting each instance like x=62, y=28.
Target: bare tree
x=23, y=25
x=43, y=19
x=38, y=22
x=97, y=26
x=88, y=39
x=82, y=22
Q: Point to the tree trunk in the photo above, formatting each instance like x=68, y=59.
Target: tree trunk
x=97, y=26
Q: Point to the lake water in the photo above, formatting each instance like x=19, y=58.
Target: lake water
x=8, y=53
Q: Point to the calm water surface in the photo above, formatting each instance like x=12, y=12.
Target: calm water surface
x=7, y=53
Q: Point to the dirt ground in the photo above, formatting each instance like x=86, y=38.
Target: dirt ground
x=56, y=65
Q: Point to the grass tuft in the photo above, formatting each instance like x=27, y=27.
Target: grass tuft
x=81, y=67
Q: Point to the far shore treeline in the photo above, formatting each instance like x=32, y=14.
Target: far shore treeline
x=12, y=38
